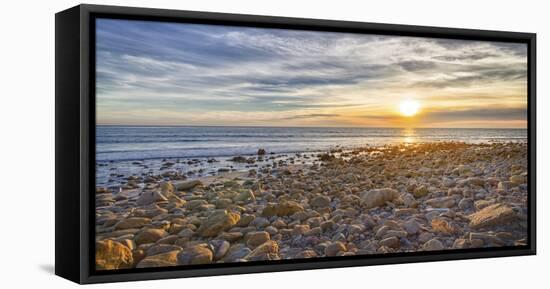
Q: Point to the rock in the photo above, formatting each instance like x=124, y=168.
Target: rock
x=238, y=159
x=518, y=180
x=405, y=212
x=149, y=236
x=425, y=237
x=131, y=223
x=246, y=219
x=391, y=242
x=285, y=208
x=254, y=239
x=408, y=200
x=128, y=243
x=466, y=203
x=320, y=201
x=378, y=197
x=420, y=191
x=259, y=222
x=184, y=186
x=313, y=232
x=327, y=225
x=110, y=255
x=271, y=230
x=218, y=222
x=261, y=152
x=266, y=251
x=442, y=202
x=334, y=249
x=306, y=254
x=195, y=204
x=433, y=245
x=480, y=204
x=102, y=190
x=223, y=203
x=460, y=244
x=492, y=215
x=455, y=191
x=381, y=231
x=220, y=248
x=198, y=254
x=442, y=226
x=231, y=236
x=167, y=189
x=245, y=195
x=474, y=181
x=161, y=249
x=160, y=260
x=186, y=233
x=300, y=230
x=476, y=243
x=462, y=170
x=411, y=227
x=487, y=238
x=395, y=233
x=236, y=252
x=147, y=198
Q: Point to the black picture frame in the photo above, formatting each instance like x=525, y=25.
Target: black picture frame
x=75, y=142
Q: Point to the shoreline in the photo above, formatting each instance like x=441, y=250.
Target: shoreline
x=193, y=167
x=369, y=200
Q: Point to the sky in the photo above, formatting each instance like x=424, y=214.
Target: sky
x=158, y=73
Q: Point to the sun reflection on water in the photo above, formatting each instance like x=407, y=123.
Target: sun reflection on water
x=408, y=135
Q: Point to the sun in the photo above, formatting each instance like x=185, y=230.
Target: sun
x=409, y=107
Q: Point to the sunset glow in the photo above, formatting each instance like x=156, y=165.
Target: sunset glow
x=194, y=74
x=409, y=107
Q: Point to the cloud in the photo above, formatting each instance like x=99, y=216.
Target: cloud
x=313, y=115
x=175, y=69
x=497, y=113
x=416, y=65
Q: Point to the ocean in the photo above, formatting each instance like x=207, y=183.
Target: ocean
x=125, y=143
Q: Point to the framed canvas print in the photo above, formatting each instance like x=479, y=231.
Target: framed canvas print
x=193, y=144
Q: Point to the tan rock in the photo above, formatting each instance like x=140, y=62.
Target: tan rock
x=320, y=201
x=378, y=197
x=131, y=223
x=161, y=249
x=433, y=245
x=218, y=222
x=334, y=248
x=149, y=236
x=306, y=254
x=198, y=254
x=111, y=255
x=285, y=208
x=160, y=260
x=442, y=226
x=167, y=189
x=184, y=186
x=442, y=202
x=254, y=239
x=518, y=180
x=492, y=215
x=391, y=242
x=245, y=196
x=420, y=191
x=266, y=251
x=147, y=198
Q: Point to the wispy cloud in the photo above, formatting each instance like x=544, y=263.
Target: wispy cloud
x=171, y=73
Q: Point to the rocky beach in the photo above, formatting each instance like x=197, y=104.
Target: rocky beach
x=406, y=197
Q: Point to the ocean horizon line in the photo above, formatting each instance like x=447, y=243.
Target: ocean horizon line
x=333, y=127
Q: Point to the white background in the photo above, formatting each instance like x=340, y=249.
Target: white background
x=27, y=143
